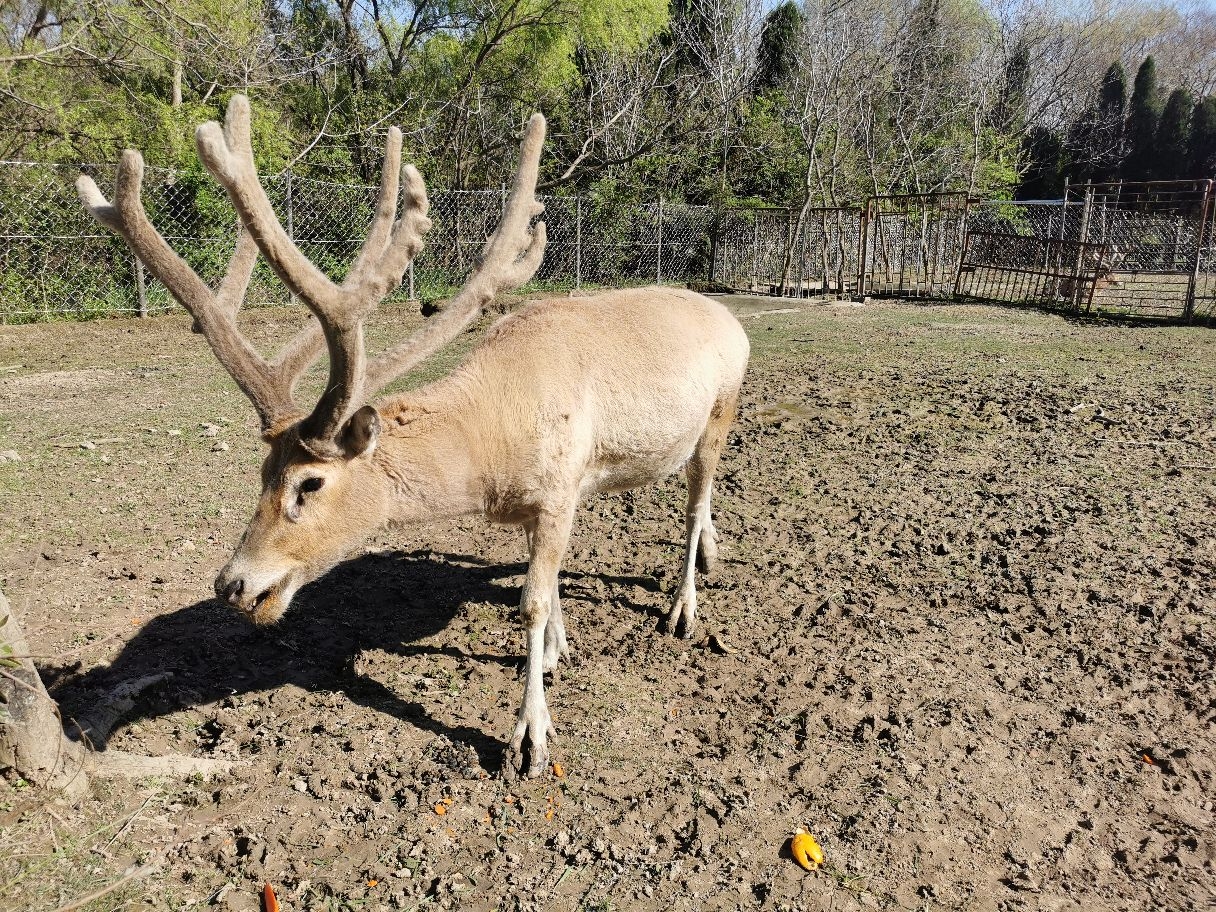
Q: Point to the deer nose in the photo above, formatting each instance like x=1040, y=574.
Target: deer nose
x=232, y=591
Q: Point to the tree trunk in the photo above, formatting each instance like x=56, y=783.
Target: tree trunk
x=32, y=742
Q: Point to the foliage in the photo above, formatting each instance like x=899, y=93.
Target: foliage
x=800, y=103
x=777, y=55
x=1203, y=139
x=1144, y=115
x=1173, y=136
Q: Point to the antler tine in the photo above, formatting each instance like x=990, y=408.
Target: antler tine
x=510, y=258
x=386, y=251
x=268, y=386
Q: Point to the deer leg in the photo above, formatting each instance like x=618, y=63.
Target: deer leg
x=556, y=647
x=707, y=544
x=549, y=533
x=701, y=539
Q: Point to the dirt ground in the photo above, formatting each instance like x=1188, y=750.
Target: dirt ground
x=964, y=632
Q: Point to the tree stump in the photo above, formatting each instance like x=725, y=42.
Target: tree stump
x=32, y=742
x=33, y=745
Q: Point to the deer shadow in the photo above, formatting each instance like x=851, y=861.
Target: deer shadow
x=388, y=601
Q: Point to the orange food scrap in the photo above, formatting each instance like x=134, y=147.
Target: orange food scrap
x=558, y=771
x=372, y=882
x=1148, y=759
x=270, y=902
x=441, y=809
x=806, y=850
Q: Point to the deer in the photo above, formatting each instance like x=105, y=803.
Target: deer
x=1102, y=262
x=561, y=399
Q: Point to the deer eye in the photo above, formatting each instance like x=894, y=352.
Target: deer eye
x=308, y=485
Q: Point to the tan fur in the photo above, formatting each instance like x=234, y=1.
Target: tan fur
x=562, y=399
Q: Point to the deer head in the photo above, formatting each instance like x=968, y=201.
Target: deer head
x=321, y=491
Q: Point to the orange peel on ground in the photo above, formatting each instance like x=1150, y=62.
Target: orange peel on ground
x=270, y=902
x=806, y=850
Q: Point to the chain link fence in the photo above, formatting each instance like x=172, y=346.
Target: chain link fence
x=56, y=261
x=1138, y=250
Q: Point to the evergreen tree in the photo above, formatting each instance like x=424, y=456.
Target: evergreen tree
x=1043, y=149
x=1078, y=148
x=1143, y=118
x=1107, y=139
x=1010, y=113
x=1203, y=139
x=1173, y=137
x=777, y=56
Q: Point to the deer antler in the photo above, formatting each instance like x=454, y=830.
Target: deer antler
x=387, y=250
x=510, y=258
x=268, y=385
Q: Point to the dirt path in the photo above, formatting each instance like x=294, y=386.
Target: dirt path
x=963, y=632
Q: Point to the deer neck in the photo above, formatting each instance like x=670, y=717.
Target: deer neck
x=427, y=455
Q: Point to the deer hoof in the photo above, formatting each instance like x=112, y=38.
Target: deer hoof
x=682, y=618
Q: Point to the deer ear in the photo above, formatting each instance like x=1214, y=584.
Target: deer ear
x=359, y=435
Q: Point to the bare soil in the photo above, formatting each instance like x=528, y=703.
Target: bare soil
x=964, y=631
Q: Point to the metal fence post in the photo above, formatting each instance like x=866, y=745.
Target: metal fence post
x=1205, y=210
x=578, y=242
x=141, y=288
x=291, y=229
x=659, y=259
x=1083, y=237
x=755, y=250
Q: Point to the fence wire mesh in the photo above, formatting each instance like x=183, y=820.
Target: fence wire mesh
x=55, y=261
x=1155, y=244
x=811, y=254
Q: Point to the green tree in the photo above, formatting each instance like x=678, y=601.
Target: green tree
x=1010, y=113
x=1044, y=152
x=1203, y=139
x=1107, y=139
x=1143, y=118
x=1173, y=137
x=777, y=56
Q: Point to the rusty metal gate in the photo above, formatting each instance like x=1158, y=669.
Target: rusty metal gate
x=899, y=246
x=1140, y=250
x=1159, y=246
x=913, y=244
x=780, y=251
x=1023, y=269
x=1204, y=307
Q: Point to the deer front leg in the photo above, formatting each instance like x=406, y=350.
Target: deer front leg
x=547, y=538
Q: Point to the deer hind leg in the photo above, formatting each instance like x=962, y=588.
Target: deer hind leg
x=701, y=539
x=547, y=543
